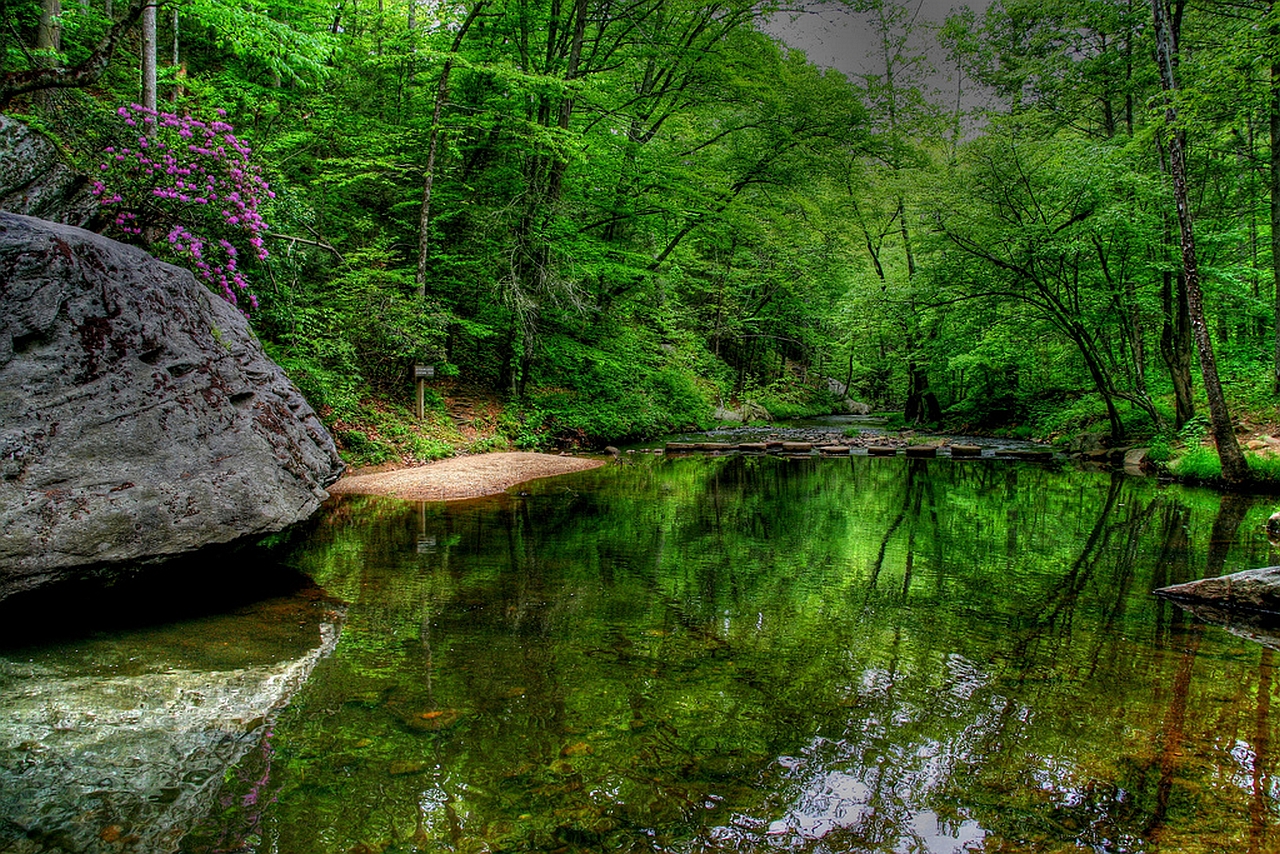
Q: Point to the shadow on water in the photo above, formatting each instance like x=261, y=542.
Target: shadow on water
x=209, y=582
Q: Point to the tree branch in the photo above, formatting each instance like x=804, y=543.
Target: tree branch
x=16, y=83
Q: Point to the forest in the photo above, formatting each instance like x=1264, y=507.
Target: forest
x=619, y=218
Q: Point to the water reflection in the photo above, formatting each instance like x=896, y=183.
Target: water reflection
x=120, y=740
x=754, y=654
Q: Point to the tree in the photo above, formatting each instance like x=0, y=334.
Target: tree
x=1234, y=469
x=149, y=100
x=14, y=84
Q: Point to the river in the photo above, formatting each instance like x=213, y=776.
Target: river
x=702, y=654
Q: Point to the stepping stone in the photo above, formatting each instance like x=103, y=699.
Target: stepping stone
x=922, y=450
x=834, y=450
x=797, y=447
x=714, y=447
x=753, y=447
x=1036, y=454
x=966, y=451
x=881, y=451
x=681, y=447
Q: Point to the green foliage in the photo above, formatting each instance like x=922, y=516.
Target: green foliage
x=1159, y=449
x=616, y=250
x=894, y=421
x=1264, y=467
x=796, y=401
x=1197, y=463
x=1200, y=463
x=360, y=449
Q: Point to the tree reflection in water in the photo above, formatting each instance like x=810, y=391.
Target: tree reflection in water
x=755, y=654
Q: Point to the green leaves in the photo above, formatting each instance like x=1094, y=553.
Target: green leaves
x=291, y=38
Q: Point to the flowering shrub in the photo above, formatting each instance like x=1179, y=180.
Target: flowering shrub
x=189, y=188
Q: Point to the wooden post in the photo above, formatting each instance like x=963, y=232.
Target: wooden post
x=422, y=373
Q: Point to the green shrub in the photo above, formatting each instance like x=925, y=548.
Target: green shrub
x=360, y=449
x=1198, y=463
x=1159, y=449
x=787, y=403
x=487, y=444
x=523, y=427
x=1264, y=467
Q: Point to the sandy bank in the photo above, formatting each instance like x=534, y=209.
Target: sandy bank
x=461, y=477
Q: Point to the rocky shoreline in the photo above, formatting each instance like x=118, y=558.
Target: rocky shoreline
x=870, y=441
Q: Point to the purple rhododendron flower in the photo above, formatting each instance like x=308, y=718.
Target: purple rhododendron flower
x=169, y=183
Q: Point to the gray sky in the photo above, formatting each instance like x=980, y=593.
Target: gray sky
x=834, y=37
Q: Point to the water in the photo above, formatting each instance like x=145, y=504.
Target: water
x=686, y=655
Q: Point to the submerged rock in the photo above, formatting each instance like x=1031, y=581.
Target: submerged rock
x=139, y=417
x=1252, y=589
x=101, y=762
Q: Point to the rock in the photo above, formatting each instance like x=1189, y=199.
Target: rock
x=797, y=447
x=1273, y=525
x=139, y=417
x=853, y=407
x=680, y=447
x=1252, y=589
x=922, y=450
x=881, y=451
x=834, y=450
x=731, y=416
x=753, y=447
x=966, y=451
x=36, y=180
x=1135, y=459
x=1087, y=442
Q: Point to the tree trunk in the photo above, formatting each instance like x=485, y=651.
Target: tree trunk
x=1175, y=346
x=1275, y=197
x=1234, y=468
x=442, y=95
x=149, y=57
x=180, y=70
x=48, y=43
x=49, y=31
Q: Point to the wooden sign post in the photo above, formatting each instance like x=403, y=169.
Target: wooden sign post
x=422, y=373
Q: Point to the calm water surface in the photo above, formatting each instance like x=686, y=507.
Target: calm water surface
x=684, y=655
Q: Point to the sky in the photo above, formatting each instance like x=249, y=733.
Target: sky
x=834, y=37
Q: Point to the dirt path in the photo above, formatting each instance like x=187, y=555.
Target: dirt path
x=461, y=477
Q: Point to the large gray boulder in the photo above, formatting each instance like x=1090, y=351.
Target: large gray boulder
x=139, y=417
x=35, y=179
